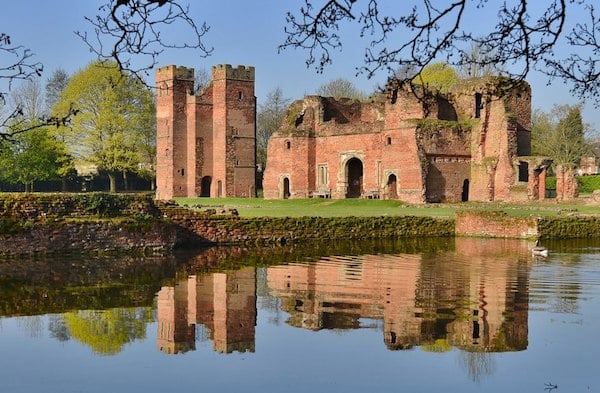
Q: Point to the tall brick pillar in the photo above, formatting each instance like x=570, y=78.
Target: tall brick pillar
x=234, y=131
x=174, y=84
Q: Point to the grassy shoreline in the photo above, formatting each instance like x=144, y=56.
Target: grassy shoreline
x=317, y=207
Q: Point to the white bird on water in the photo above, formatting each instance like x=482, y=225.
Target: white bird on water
x=539, y=250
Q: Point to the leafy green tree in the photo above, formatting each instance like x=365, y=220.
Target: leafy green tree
x=31, y=156
x=107, y=331
x=55, y=85
x=115, y=119
x=35, y=155
x=340, y=88
x=268, y=120
x=560, y=135
x=439, y=76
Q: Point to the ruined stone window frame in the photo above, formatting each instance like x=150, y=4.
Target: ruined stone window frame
x=240, y=95
x=478, y=105
x=288, y=144
x=323, y=174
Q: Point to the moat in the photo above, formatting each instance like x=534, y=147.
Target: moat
x=410, y=315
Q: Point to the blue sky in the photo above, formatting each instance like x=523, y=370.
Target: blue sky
x=241, y=32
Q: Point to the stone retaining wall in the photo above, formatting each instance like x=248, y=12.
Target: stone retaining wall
x=142, y=226
x=90, y=236
x=495, y=224
x=196, y=229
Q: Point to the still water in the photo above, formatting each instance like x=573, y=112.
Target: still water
x=465, y=315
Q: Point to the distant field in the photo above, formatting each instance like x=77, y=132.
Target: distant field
x=317, y=207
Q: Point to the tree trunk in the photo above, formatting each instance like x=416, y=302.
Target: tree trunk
x=125, y=181
x=113, y=181
x=63, y=184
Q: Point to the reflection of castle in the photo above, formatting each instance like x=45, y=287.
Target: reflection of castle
x=224, y=303
x=477, y=305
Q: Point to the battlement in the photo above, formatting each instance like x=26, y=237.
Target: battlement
x=174, y=72
x=226, y=71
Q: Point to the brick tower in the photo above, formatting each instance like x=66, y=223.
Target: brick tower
x=206, y=143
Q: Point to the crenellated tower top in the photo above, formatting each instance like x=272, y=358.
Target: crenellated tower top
x=226, y=71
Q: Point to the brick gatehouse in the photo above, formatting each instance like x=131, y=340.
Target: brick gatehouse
x=205, y=143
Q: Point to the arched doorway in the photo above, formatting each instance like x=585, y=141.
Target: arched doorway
x=354, y=169
x=219, y=189
x=286, y=188
x=391, y=187
x=465, y=191
x=205, y=187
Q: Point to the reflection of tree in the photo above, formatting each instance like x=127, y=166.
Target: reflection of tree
x=32, y=325
x=265, y=299
x=106, y=331
x=58, y=328
x=565, y=298
x=477, y=364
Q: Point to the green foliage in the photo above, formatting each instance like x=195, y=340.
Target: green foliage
x=32, y=156
x=569, y=227
x=103, y=204
x=10, y=226
x=439, y=76
x=587, y=184
x=431, y=124
x=560, y=135
x=114, y=129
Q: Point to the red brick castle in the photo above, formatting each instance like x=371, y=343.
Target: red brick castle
x=472, y=143
x=205, y=143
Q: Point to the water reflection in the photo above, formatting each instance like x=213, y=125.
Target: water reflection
x=462, y=309
x=223, y=303
x=475, y=299
x=435, y=303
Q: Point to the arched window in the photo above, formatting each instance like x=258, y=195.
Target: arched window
x=288, y=144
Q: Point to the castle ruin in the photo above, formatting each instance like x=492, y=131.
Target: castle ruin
x=205, y=143
x=411, y=144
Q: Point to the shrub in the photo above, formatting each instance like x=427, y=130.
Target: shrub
x=588, y=184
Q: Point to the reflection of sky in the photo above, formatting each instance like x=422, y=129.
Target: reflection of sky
x=561, y=350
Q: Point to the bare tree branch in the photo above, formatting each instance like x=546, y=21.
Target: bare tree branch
x=16, y=63
x=128, y=29
x=526, y=37
x=582, y=70
x=15, y=123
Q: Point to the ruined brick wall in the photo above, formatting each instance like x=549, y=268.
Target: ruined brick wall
x=588, y=166
x=501, y=115
x=495, y=224
x=206, y=143
x=322, y=137
x=566, y=184
x=433, y=147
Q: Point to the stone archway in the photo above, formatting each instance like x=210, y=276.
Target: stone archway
x=205, y=186
x=286, y=188
x=465, y=191
x=354, y=173
x=391, y=189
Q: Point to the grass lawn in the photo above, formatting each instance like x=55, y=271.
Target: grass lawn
x=317, y=207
